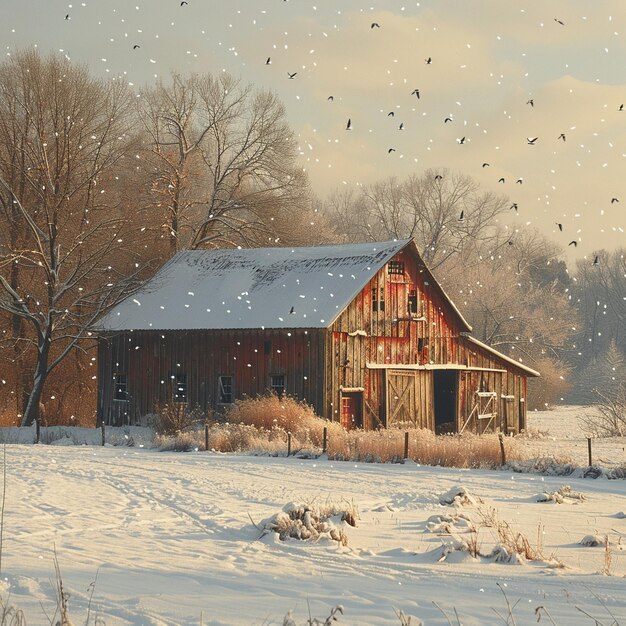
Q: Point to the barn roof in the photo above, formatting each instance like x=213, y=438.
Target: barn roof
x=304, y=287
x=504, y=357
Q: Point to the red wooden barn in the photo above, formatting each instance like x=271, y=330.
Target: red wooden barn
x=363, y=332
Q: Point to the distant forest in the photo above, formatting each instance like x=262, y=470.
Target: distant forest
x=99, y=186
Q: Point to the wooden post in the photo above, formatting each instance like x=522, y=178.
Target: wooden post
x=324, y=440
x=406, y=445
x=589, y=450
x=206, y=437
x=288, y=444
x=502, y=451
x=37, y=431
x=103, y=433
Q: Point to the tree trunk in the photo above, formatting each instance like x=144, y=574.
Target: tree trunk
x=39, y=380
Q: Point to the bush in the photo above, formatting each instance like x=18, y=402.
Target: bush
x=172, y=419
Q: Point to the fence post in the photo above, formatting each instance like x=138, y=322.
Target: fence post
x=288, y=444
x=37, y=431
x=206, y=437
x=324, y=440
x=406, y=445
x=103, y=433
x=589, y=450
x=502, y=451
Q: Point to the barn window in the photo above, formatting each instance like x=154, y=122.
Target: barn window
x=120, y=387
x=277, y=385
x=422, y=344
x=395, y=267
x=378, y=299
x=180, y=388
x=412, y=302
x=224, y=389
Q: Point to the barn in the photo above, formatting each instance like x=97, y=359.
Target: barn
x=363, y=332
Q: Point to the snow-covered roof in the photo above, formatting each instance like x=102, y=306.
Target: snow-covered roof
x=252, y=288
x=504, y=357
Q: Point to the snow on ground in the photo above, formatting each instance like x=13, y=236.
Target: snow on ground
x=170, y=538
x=563, y=435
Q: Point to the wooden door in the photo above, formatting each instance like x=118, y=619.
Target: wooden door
x=401, y=395
x=352, y=409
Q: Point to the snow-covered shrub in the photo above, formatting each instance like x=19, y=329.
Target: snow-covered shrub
x=562, y=495
x=591, y=541
x=459, y=496
x=177, y=417
x=312, y=522
x=609, y=419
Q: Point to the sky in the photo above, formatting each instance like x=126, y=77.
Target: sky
x=504, y=72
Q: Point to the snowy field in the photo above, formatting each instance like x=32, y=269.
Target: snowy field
x=171, y=539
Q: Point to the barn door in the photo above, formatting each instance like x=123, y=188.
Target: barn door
x=352, y=409
x=401, y=397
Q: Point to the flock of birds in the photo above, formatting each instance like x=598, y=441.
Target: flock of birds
x=417, y=94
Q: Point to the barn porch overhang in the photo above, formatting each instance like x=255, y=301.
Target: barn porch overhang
x=431, y=366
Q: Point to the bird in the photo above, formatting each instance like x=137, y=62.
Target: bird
x=619, y=108
x=291, y=75
x=401, y=127
x=330, y=98
x=462, y=140
x=269, y=61
x=183, y=2
x=292, y=310
x=513, y=206
x=67, y=17
x=390, y=114
x=349, y=124
x=560, y=226
x=573, y=243
x=501, y=180
x=531, y=102
x=486, y=164
x=375, y=25
x=416, y=92
x=428, y=60
x=558, y=21
x=614, y=200
x=391, y=150
x=519, y=181
x=136, y=46
x=510, y=242
x=531, y=141
x=561, y=136
x=596, y=261
x=448, y=119
x=438, y=177
x=462, y=216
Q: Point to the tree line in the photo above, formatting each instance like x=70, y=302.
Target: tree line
x=100, y=185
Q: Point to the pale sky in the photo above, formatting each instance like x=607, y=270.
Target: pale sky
x=489, y=59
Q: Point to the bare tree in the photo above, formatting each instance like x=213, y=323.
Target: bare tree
x=64, y=236
x=442, y=211
x=223, y=161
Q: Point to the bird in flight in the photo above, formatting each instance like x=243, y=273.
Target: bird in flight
x=390, y=114
x=330, y=98
x=438, y=177
x=136, y=46
x=448, y=119
x=560, y=226
x=619, y=108
x=349, y=124
x=486, y=164
x=519, y=181
x=561, y=136
x=269, y=61
x=573, y=243
x=292, y=310
x=614, y=200
x=416, y=92
x=291, y=75
x=67, y=17
x=596, y=261
x=531, y=102
x=462, y=140
x=531, y=140
x=391, y=150
x=401, y=127
x=183, y=2
x=375, y=25
x=513, y=206
x=558, y=21
x=462, y=216
x=428, y=60
x=501, y=180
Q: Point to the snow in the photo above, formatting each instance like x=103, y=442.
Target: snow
x=173, y=537
x=251, y=288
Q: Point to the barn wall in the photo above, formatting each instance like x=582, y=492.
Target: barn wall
x=151, y=361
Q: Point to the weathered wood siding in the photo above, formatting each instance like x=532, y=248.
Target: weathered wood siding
x=151, y=360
